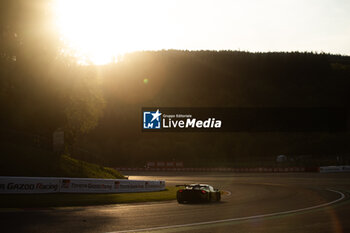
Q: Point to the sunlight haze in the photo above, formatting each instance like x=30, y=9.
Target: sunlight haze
x=103, y=30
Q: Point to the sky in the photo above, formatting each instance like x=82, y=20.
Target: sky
x=103, y=29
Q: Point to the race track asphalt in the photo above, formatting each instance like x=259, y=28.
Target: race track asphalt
x=266, y=202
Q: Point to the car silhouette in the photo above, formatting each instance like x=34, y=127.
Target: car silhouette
x=197, y=193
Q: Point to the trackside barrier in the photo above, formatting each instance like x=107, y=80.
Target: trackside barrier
x=76, y=185
x=329, y=169
x=259, y=169
x=29, y=185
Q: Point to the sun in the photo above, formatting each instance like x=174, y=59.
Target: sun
x=100, y=31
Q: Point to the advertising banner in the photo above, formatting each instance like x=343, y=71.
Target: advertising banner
x=76, y=185
x=28, y=185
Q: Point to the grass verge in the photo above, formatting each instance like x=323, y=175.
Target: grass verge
x=65, y=200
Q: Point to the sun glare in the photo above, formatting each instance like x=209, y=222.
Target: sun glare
x=100, y=31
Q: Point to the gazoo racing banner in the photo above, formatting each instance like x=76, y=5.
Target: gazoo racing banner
x=29, y=185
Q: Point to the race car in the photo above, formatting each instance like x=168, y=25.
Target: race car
x=197, y=193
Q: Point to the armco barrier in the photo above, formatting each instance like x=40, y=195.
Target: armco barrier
x=330, y=169
x=76, y=185
x=238, y=170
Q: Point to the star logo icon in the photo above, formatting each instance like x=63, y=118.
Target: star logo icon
x=156, y=115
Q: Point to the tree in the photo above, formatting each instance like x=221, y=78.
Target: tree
x=41, y=88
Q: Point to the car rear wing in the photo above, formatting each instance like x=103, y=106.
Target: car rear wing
x=181, y=185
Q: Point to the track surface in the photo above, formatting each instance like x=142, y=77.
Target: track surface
x=268, y=196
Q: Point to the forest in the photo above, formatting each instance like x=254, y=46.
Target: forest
x=43, y=89
x=219, y=79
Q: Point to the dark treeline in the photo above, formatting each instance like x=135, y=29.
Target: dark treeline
x=43, y=89
x=218, y=79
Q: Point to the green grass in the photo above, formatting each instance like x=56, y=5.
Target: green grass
x=65, y=200
x=19, y=160
x=28, y=161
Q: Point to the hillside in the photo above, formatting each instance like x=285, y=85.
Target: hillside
x=20, y=160
x=99, y=107
x=218, y=79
